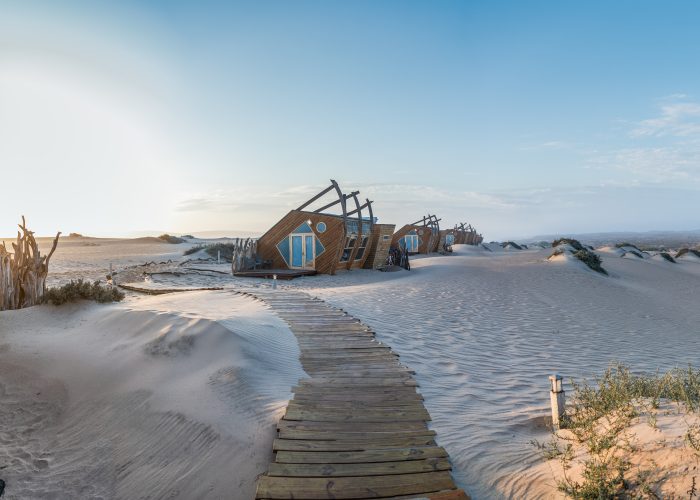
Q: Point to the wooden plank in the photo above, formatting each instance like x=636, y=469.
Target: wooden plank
x=274, y=487
x=280, y=444
x=357, y=427
x=341, y=457
x=373, y=469
x=351, y=426
x=343, y=436
x=396, y=415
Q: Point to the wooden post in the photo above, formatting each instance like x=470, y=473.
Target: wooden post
x=556, y=398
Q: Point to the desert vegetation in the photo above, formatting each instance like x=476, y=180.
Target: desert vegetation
x=512, y=244
x=591, y=260
x=83, y=290
x=168, y=238
x=582, y=253
x=626, y=244
x=598, y=451
x=667, y=256
x=213, y=249
x=685, y=251
x=575, y=244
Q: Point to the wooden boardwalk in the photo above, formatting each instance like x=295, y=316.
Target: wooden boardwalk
x=356, y=428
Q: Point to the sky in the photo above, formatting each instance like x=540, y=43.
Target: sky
x=521, y=118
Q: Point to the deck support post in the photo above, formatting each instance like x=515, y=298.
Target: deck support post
x=274, y=282
x=556, y=398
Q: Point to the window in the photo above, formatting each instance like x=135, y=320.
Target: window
x=410, y=242
x=321, y=227
x=349, y=246
x=361, y=250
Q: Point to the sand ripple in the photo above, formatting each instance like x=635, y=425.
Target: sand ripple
x=483, y=334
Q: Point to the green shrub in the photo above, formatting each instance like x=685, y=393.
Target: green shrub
x=599, y=417
x=684, y=251
x=170, y=239
x=576, y=244
x=511, y=243
x=187, y=236
x=77, y=290
x=635, y=253
x=667, y=256
x=625, y=244
x=591, y=260
x=193, y=249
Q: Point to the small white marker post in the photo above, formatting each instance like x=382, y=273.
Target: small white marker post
x=556, y=397
x=274, y=282
x=218, y=256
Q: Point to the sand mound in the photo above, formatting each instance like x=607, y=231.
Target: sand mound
x=173, y=396
x=663, y=257
x=688, y=254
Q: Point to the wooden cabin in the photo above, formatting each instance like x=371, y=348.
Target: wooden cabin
x=465, y=234
x=422, y=236
x=448, y=238
x=320, y=241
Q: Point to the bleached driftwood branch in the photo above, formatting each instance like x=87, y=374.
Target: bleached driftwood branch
x=23, y=272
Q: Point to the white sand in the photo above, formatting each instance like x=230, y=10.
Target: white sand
x=484, y=329
x=167, y=397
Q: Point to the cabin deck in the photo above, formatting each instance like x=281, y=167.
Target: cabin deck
x=282, y=274
x=357, y=428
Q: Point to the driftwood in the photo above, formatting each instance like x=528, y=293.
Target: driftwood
x=245, y=254
x=23, y=272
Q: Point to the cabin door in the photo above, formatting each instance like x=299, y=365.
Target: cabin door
x=303, y=248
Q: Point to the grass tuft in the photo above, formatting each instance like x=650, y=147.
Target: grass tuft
x=576, y=244
x=591, y=260
x=667, y=256
x=626, y=244
x=77, y=290
x=598, y=418
x=684, y=251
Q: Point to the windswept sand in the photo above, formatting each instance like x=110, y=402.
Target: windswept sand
x=160, y=397
x=483, y=330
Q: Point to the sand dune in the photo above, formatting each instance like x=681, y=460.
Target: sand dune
x=166, y=397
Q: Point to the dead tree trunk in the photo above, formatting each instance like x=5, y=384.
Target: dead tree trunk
x=23, y=272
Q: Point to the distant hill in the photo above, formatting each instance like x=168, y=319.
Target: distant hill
x=670, y=239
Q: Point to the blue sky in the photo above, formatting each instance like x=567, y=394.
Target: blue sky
x=520, y=117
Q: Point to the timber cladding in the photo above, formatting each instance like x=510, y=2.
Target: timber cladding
x=332, y=239
x=443, y=237
x=380, y=246
x=425, y=235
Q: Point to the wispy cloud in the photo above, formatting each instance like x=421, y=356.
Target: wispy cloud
x=663, y=149
x=678, y=118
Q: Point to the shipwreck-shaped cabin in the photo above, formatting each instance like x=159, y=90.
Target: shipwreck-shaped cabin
x=465, y=234
x=340, y=234
x=422, y=236
x=447, y=239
